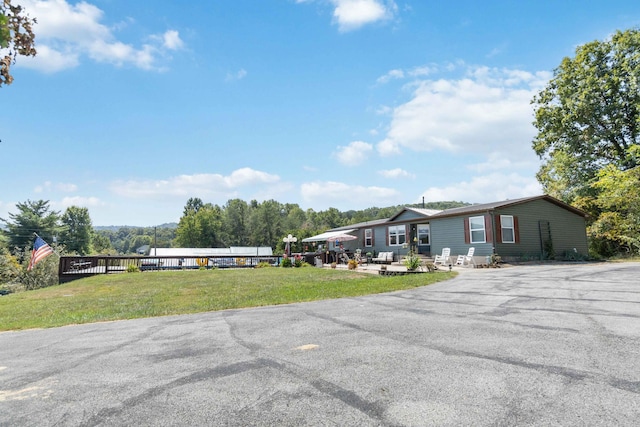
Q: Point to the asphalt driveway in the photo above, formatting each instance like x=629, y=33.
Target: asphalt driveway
x=539, y=345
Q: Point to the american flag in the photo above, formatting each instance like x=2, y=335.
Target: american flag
x=41, y=250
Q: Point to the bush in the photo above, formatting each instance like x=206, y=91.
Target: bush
x=286, y=263
x=298, y=262
x=412, y=261
x=132, y=268
x=263, y=264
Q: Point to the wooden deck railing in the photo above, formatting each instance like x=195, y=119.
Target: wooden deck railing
x=75, y=267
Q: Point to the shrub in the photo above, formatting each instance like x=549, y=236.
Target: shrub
x=263, y=264
x=132, y=268
x=412, y=261
x=286, y=263
x=298, y=262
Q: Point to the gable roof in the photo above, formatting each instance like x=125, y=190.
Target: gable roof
x=464, y=210
x=484, y=207
x=419, y=211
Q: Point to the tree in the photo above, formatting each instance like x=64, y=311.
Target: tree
x=588, y=116
x=617, y=229
x=16, y=37
x=200, y=227
x=266, y=224
x=77, y=230
x=33, y=217
x=588, y=121
x=236, y=223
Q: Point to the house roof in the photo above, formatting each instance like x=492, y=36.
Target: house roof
x=464, y=210
x=419, y=211
x=484, y=207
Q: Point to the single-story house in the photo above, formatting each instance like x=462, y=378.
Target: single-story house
x=527, y=228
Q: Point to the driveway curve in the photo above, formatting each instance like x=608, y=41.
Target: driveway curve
x=535, y=345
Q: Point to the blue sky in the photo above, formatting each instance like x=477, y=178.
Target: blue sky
x=132, y=107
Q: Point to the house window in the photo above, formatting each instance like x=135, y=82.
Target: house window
x=423, y=234
x=476, y=226
x=368, y=237
x=397, y=235
x=507, y=229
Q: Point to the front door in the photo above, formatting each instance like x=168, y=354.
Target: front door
x=423, y=238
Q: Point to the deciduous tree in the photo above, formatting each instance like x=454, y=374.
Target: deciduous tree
x=16, y=37
x=76, y=230
x=588, y=116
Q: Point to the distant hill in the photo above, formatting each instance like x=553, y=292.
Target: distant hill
x=118, y=227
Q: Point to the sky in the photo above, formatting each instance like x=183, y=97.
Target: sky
x=130, y=108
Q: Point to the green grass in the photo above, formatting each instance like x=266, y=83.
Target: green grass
x=150, y=294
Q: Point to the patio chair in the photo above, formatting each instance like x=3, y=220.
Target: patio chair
x=442, y=259
x=466, y=259
x=344, y=258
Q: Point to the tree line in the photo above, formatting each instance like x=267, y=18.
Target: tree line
x=202, y=225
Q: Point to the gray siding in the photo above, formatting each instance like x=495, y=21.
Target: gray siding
x=568, y=230
x=449, y=233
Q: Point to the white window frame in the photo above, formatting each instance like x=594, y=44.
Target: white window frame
x=422, y=227
x=397, y=233
x=479, y=219
x=368, y=237
x=512, y=228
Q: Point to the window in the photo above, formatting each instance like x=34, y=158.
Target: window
x=397, y=235
x=368, y=237
x=476, y=226
x=423, y=234
x=507, y=229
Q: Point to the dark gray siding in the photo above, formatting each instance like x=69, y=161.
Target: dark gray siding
x=449, y=233
x=409, y=216
x=568, y=230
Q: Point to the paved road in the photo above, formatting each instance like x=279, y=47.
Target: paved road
x=536, y=345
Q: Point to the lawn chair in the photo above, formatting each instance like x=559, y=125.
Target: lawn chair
x=344, y=258
x=442, y=259
x=466, y=259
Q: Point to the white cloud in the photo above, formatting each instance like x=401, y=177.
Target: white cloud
x=197, y=185
x=391, y=75
x=397, y=74
x=239, y=75
x=83, y=202
x=60, y=186
x=488, y=111
x=354, y=154
x=353, y=14
x=324, y=195
x=396, y=173
x=486, y=188
x=66, y=32
x=172, y=40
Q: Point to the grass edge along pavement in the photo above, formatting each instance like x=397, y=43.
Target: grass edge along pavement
x=137, y=295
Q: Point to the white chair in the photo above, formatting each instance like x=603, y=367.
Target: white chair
x=466, y=259
x=443, y=259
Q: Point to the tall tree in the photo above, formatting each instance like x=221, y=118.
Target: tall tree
x=76, y=231
x=236, y=223
x=16, y=37
x=266, y=224
x=200, y=227
x=588, y=116
x=32, y=217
